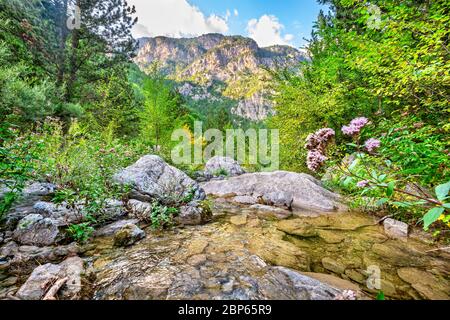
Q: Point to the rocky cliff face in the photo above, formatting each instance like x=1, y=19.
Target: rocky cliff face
x=214, y=66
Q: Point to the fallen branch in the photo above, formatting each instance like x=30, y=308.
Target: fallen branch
x=51, y=293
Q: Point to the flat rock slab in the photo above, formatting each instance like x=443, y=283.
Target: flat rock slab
x=45, y=275
x=279, y=188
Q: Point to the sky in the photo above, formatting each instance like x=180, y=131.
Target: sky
x=268, y=22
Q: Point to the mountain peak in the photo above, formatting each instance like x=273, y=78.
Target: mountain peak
x=237, y=63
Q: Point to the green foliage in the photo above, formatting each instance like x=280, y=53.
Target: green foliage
x=80, y=232
x=221, y=172
x=162, y=216
x=17, y=164
x=356, y=70
x=380, y=295
x=189, y=196
x=163, y=111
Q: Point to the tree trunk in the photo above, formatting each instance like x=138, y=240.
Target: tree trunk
x=62, y=43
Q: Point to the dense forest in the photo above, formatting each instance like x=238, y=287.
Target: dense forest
x=74, y=108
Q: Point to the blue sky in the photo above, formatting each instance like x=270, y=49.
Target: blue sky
x=267, y=21
x=297, y=16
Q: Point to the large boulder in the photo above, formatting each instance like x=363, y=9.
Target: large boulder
x=45, y=275
x=63, y=215
x=280, y=188
x=128, y=235
x=217, y=166
x=151, y=179
x=36, y=230
x=195, y=212
x=21, y=260
x=32, y=193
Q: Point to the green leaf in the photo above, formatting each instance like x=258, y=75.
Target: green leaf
x=402, y=204
x=432, y=216
x=382, y=177
x=347, y=181
x=382, y=201
x=442, y=191
x=380, y=295
x=353, y=165
x=390, y=189
x=446, y=205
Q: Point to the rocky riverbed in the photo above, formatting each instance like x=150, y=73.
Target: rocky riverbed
x=261, y=240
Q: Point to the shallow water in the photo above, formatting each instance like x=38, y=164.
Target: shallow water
x=229, y=258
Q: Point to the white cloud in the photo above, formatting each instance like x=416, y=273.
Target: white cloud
x=174, y=18
x=236, y=13
x=228, y=15
x=267, y=31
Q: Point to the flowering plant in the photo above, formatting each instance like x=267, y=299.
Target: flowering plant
x=360, y=173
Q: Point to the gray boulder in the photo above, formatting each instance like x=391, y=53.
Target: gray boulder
x=43, y=276
x=152, y=179
x=36, y=230
x=32, y=193
x=62, y=215
x=395, y=229
x=114, y=227
x=217, y=166
x=195, y=212
x=128, y=235
x=284, y=189
x=306, y=288
x=22, y=260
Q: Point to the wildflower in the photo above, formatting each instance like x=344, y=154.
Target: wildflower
x=315, y=159
x=372, y=144
x=362, y=184
x=355, y=126
x=320, y=139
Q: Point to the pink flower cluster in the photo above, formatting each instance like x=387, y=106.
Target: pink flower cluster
x=362, y=184
x=372, y=144
x=355, y=126
x=316, y=144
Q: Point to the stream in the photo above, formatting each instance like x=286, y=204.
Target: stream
x=232, y=258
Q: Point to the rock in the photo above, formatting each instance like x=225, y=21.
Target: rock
x=399, y=255
x=333, y=265
x=245, y=200
x=217, y=166
x=128, y=235
x=34, y=287
x=279, y=253
x=112, y=228
x=23, y=259
x=39, y=189
x=271, y=212
x=152, y=179
x=395, y=229
x=330, y=236
x=41, y=277
x=32, y=193
x=196, y=260
x=194, y=213
x=278, y=199
x=306, y=287
x=278, y=188
x=64, y=216
x=333, y=281
x=59, y=213
x=357, y=275
x=138, y=209
x=34, y=229
x=429, y=286
x=239, y=220
x=297, y=227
